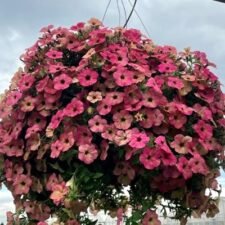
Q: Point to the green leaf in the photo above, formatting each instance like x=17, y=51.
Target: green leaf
x=97, y=175
x=56, y=167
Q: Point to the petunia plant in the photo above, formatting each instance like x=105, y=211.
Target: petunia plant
x=104, y=119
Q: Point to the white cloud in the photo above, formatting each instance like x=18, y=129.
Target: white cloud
x=6, y=204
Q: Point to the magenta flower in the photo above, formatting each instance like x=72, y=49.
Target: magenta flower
x=109, y=132
x=54, y=54
x=167, y=68
x=204, y=112
x=132, y=35
x=175, y=82
x=52, y=180
x=184, y=168
x=67, y=139
x=56, y=149
x=177, y=120
x=161, y=143
x=198, y=165
x=146, y=119
x=203, y=129
x=149, y=158
x=14, y=97
x=87, y=153
x=28, y=104
x=122, y=120
x=150, y=217
x=122, y=137
x=55, y=68
x=62, y=81
x=138, y=139
x=114, y=98
x=104, y=107
x=26, y=82
x=22, y=184
x=83, y=135
x=56, y=119
x=87, y=77
x=97, y=124
x=74, y=108
x=94, y=96
x=123, y=76
x=181, y=143
x=183, y=108
x=59, y=192
x=153, y=84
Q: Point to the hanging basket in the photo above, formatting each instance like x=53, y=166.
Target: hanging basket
x=104, y=119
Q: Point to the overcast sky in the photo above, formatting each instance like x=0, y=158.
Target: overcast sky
x=199, y=24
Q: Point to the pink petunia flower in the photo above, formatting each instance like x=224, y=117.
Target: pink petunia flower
x=54, y=54
x=13, y=149
x=26, y=82
x=22, y=184
x=147, y=119
x=177, y=120
x=74, y=108
x=83, y=135
x=175, y=82
x=167, y=157
x=204, y=112
x=122, y=137
x=67, y=139
x=122, y=120
x=183, y=108
x=161, y=143
x=97, y=124
x=203, y=129
x=94, y=96
x=109, y=132
x=41, y=84
x=152, y=99
x=150, y=218
x=87, y=77
x=52, y=180
x=55, y=68
x=149, y=158
x=167, y=68
x=13, y=97
x=32, y=130
x=56, y=119
x=198, y=165
x=123, y=77
x=153, y=84
x=59, y=192
x=104, y=107
x=138, y=139
x=184, y=167
x=56, y=149
x=28, y=104
x=114, y=98
x=42, y=223
x=132, y=35
x=62, y=81
x=181, y=143
x=87, y=153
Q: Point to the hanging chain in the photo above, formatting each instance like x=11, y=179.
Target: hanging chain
x=131, y=12
x=106, y=10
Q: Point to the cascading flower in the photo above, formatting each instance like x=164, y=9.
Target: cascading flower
x=97, y=113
